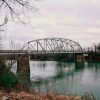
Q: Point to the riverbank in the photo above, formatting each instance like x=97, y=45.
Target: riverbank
x=40, y=96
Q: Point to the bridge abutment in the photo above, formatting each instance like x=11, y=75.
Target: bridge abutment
x=23, y=71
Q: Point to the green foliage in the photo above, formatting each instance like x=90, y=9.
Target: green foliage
x=8, y=79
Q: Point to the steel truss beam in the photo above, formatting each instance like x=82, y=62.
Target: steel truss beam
x=53, y=45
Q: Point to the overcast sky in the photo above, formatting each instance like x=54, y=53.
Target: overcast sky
x=78, y=20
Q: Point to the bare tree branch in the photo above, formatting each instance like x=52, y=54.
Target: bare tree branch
x=5, y=22
x=17, y=7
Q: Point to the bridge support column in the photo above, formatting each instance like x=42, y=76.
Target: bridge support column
x=79, y=57
x=23, y=71
x=2, y=66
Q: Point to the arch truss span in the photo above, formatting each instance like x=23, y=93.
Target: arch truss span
x=53, y=45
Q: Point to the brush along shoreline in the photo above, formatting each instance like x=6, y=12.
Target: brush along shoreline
x=41, y=96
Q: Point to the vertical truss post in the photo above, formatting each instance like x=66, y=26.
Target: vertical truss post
x=28, y=47
x=37, y=47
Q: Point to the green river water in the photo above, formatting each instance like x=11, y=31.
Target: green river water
x=66, y=77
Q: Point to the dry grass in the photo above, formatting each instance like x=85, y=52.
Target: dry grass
x=40, y=96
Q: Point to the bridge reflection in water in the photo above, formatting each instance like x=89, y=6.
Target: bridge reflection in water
x=66, y=77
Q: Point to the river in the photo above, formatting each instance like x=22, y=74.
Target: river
x=66, y=77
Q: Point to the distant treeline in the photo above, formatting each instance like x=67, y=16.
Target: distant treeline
x=93, y=52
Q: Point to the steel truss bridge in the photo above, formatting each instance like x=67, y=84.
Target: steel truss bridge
x=53, y=45
x=46, y=48
x=47, y=45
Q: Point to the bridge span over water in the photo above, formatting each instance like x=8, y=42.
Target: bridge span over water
x=47, y=45
x=40, y=49
x=47, y=49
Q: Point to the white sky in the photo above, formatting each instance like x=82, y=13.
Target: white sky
x=78, y=20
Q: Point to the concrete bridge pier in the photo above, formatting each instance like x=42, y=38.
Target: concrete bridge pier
x=23, y=71
x=2, y=66
x=79, y=57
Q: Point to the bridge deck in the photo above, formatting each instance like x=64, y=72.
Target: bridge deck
x=34, y=52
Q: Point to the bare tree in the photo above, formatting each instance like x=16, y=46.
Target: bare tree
x=15, y=8
x=97, y=47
